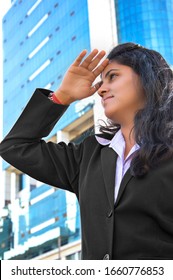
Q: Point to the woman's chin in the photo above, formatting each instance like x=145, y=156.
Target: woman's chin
x=110, y=114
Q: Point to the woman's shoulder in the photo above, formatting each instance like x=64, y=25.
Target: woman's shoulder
x=98, y=139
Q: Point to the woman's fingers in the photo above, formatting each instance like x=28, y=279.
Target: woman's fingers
x=91, y=61
x=79, y=58
x=89, y=58
x=93, y=64
x=101, y=67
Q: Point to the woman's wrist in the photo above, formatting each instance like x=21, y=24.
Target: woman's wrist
x=53, y=98
x=62, y=98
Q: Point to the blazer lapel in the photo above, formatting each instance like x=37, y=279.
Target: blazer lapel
x=127, y=177
x=108, y=160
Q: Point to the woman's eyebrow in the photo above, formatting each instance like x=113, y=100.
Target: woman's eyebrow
x=107, y=73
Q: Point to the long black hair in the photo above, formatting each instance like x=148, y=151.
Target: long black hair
x=153, y=125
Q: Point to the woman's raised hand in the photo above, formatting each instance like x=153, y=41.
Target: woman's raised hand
x=78, y=80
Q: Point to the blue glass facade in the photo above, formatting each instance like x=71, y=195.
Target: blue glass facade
x=146, y=22
x=5, y=235
x=53, y=206
x=51, y=35
x=64, y=26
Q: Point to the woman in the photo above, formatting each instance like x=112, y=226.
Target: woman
x=123, y=178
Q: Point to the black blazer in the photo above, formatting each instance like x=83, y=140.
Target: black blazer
x=138, y=226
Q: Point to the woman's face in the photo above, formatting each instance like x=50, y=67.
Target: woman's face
x=122, y=93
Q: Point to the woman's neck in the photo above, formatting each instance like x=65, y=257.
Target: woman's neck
x=128, y=134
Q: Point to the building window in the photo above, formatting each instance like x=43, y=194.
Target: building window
x=33, y=184
x=59, y=77
x=19, y=183
x=32, y=187
x=39, y=70
x=43, y=43
x=23, y=235
x=33, y=8
x=42, y=226
x=57, y=28
x=74, y=256
x=44, y=18
x=73, y=38
x=41, y=196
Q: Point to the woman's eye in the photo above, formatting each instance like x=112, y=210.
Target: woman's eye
x=112, y=76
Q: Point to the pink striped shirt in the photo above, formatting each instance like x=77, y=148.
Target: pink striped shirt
x=122, y=165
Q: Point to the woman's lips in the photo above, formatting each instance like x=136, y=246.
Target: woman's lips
x=107, y=97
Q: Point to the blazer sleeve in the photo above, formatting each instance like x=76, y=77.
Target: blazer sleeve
x=24, y=148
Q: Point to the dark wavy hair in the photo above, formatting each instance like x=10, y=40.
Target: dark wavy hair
x=153, y=125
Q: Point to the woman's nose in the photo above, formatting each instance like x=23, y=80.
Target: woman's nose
x=102, y=89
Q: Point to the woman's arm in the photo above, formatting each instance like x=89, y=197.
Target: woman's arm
x=23, y=147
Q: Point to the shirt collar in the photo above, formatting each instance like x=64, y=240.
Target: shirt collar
x=117, y=143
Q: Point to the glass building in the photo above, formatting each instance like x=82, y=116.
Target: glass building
x=146, y=22
x=41, y=39
x=49, y=35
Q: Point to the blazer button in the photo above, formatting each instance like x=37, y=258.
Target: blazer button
x=106, y=257
x=110, y=214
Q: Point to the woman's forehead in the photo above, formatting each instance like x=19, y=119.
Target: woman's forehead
x=114, y=66
x=111, y=65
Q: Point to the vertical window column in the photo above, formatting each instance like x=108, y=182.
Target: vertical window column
x=2, y=197
x=24, y=199
x=7, y=183
x=14, y=209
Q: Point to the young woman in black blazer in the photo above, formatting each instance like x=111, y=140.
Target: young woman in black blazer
x=123, y=178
